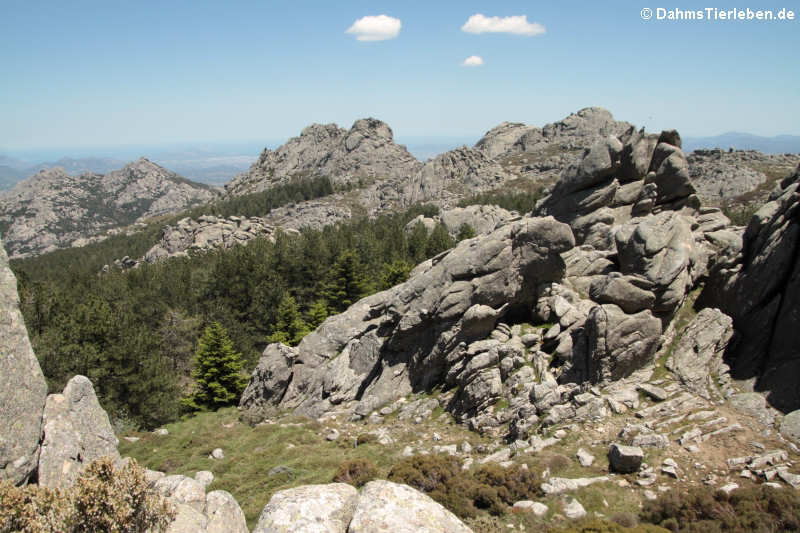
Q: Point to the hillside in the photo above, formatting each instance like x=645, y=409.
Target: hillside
x=53, y=209
x=609, y=345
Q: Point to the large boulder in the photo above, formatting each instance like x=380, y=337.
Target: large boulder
x=387, y=506
x=76, y=432
x=619, y=343
x=309, y=509
x=790, y=426
x=625, y=459
x=22, y=386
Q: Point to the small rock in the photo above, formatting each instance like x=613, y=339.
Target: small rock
x=528, y=506
x=573, y=509
x=560, y=434
x=332, y=435
x=436, y=437
x=466, y=447
x=161, y=431
x=730, y=487
x=131, y=439
x=584, y=457
x=650, y=495
x=656, y=393
x=408, y=451
x=217, y=454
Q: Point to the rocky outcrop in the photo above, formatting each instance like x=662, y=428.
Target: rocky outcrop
x=76, y=431
x=483, y=219
x=339, y=508
x=414, y=336
x=760, y=290
x=54, y=210
x=22, y=386
x=499, y=140
x=365, y=152
x=206, y=233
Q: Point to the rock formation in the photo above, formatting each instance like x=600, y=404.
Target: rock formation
x=366, y=152
x=22, y=386
x=760, y=290
x=196, y=511
x=76, y=431
x=643, y=243
x=340, y=508
x=55, y=210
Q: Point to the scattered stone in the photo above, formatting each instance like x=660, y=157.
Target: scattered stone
x=584, y=457
x=217, y=453
x=573, y=509
x=557, y=485
x=528, y=506
x=656, y=393
x=162, y=432
x=729, y=487
x=332, y=435
x=625, y=459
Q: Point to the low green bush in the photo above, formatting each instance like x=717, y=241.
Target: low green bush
x=595, y=525
x=759, y=509
x=103, y=499
x=356, y=472
x=491, y=488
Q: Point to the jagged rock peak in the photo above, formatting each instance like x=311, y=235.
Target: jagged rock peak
x=366, y=151
x=54, y=210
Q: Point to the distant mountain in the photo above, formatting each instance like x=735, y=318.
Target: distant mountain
x=53, y=209
x=781, y=144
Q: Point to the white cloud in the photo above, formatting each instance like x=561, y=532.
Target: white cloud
x=375, y=28
x=517, y=24
x=472, y=61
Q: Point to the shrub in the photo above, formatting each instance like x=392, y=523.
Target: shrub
x=490, y=488
x=594, y=525
x=558, y=463
x=365, y=438
x=758, y=509
x=356, y=472
x=104, y=498
x=513, y=484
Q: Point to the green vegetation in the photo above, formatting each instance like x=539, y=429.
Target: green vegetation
x=217, y=372
x=356, y=472
x=104, y=498
x=133, y=333
x=491, y=487
x=521, y=202
x=759, y=509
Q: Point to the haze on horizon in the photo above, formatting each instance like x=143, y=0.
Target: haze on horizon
x=95, y=74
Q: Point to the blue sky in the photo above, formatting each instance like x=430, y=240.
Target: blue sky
x=91, y=73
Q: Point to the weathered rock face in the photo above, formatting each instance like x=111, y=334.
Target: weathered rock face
x=76, y=431
x=483, y=219
x=499, y=140
x=22, y=386
x=761, y=292
x=410, y=337
x=697, y=355
x=365, y=152
x=339, y=508
x=55, y=210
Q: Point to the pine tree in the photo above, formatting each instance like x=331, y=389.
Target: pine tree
x=217, y=371
x=290, y=327
x=317, y=313
x=346, y=282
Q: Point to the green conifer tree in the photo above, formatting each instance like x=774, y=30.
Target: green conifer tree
x=217, y=372
x=346, y=282
x=290, y=328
